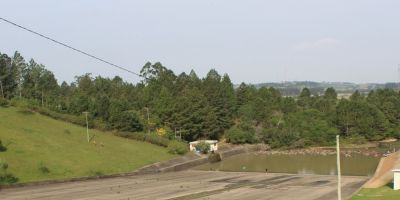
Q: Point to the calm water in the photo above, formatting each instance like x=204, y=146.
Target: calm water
x=356, y=165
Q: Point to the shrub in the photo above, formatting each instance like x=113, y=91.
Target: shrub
x=78, y=120
x=29, y=106
x=354, y=139
x=176, y=147
x=25, y=111
x=6, y=178
x=203, y=147
x=214, y=157
x=3, y=166
x=43, y=169
x=3, y=102
x=67, y=131
x=126, y=121
x=137, y=136
x=134, y=136
x=298, y=144
x=2, y=147
x=96, y=173
x=157, y=140
x=22, y=103
x=150, y=138
x=236, y=135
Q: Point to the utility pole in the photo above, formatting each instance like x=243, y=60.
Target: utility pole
x=42, y=98
x=339, y=189
x=398, y=77
x=87, y=126
x=175, y=132
x=1, y=87
x=148, y=120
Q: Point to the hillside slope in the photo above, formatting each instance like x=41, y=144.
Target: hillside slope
x=36, y=141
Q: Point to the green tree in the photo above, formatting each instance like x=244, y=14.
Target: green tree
x=190, y=113
x=18, y=63
x=304, y=99
x=330, y=94
x=8, y=82
x=221, y=100
x=126, y=121
x=357, y=117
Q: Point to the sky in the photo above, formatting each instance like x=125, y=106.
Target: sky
x=253, y=41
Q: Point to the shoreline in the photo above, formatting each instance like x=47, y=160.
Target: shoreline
x=325, y=151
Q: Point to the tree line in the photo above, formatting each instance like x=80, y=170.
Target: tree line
x=205, y=108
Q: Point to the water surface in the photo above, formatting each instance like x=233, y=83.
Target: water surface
x=356, y=165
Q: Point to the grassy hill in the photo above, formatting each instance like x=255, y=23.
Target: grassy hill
x=383, y=193
x=35, y=142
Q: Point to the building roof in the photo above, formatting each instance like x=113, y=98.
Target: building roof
x=206, y=141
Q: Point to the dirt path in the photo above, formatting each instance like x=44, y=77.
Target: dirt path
x=193, y=185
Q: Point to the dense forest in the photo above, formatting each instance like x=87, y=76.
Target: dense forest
x=203, y=108
x=293, y=88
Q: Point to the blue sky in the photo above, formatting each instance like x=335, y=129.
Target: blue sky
x=253, y=41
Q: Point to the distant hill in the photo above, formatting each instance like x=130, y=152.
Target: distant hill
x=35, y=142
x=293, y=88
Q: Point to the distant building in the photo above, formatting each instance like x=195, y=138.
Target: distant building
x=213, y=144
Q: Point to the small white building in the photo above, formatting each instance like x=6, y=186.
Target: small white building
x=213, y=144
x=396, y=179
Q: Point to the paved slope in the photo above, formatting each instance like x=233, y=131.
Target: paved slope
x=384, y=174
x=193, y=185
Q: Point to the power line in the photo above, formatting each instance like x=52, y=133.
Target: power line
x=70, y=47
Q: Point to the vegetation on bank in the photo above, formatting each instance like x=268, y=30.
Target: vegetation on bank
x=383, y=193
x=202, y=108
x=26, y=106
x=41, y=148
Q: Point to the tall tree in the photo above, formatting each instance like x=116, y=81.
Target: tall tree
x=18, y=63
x=190, y=113
x=8, y=82
x=304, y=99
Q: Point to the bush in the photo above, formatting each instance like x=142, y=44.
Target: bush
x=6, y=178
x=3, y=166
x=43, y=169
x=354, y=139
x=281, y=138
x=3, y=102
x=96, y=173
x=298, y=144
x=126, y=121
x=25, y=111
x=78, y=120
x=176, y=147
x=157, y=140
x=22, y=103
x=203, y=147
x=2, y=147
x=236, y=135
x=135, y=136
x=214, y=157
x=150, y=138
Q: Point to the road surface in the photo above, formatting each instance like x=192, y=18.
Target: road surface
x=193, y=185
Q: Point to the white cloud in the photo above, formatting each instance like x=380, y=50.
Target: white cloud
x=316, y=44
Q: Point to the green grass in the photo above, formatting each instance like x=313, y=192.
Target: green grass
x=383, y=193
x=36, y=142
